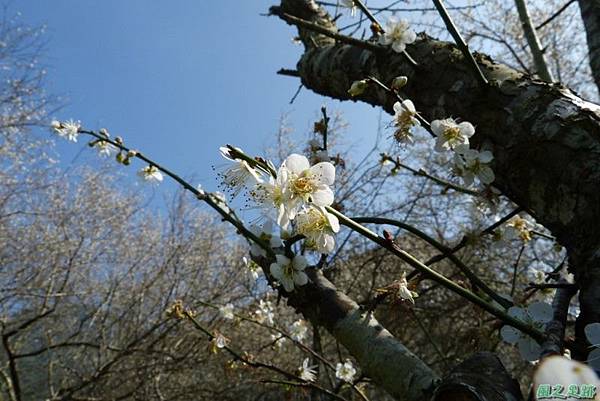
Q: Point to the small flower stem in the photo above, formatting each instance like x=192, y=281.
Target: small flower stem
x=444, y=183
x=236, y=154
x=311, y=26
x=437, y=277
x=460, y=42
x=325, y=127
x=421, y=119
x=368, y=13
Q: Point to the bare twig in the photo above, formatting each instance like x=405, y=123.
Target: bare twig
x=460, y=42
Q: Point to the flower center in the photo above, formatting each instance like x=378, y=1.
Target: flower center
x=316, y=222
x=452, y=134
x=288, y=270
x=303, y=185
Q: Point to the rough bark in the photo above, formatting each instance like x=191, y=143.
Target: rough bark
x=380, y=355
x=545, y=139
x=481, y=377
x=590, y=13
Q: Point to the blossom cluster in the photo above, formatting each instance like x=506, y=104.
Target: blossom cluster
x=294, y=198
x=468, y=163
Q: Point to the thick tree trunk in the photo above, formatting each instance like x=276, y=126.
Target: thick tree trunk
x=590, y=13
x=545, y=139
x=380, y=355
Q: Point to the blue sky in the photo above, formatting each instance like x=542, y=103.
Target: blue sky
x=178, y=79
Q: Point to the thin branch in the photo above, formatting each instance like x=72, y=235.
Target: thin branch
x=460, y=42
x=393, y=248
x=556, y=14
x=555, y=329
x=311, y=26
x=534, y=42
x=475, y=280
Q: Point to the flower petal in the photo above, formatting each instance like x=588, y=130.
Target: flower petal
x=517, y=312
x=299, y=262
x=282, y=260
x=529, y=349
x=325, y=172
x=322, y=196
x=540, y=312
x=296, y=163
x=466, y=129
x=288, y=283
x=486, y=175
x=486, y=156
x=594, y=359
x=509, y=334
x=592, y=332
x=409, y=105
x=437, y=127
x=300, y=278
x=276, y=271
x=333, y=221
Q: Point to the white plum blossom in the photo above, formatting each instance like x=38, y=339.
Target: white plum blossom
x=268, y=195
x=289, y=273
x=105, y=148
x=264, y=232
x=570, y=375
x=345, y=371
x=226, y=311
x=518, y=227
x=592, y=332
x=265, y=312
x=404, y=120
x=318, y=226
x=537, y=315
x=404, y=292
x=252, y=268
x=358, y=87
x=451, y=134
x=471, y=163
x=306, y=372
x=150, y=174
x=67, y=129
x=219, y=341
x=539, y=276
x=351, y=5
x=398, y=34
x=236, y=177
x=304, y=183
x=298, y=330
x=278, y=340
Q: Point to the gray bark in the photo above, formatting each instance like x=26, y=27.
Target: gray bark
x=380, y=355
x=590, y=13
x=481, y=377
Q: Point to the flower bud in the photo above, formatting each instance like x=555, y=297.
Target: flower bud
x=358, y=87
x=399, y=82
